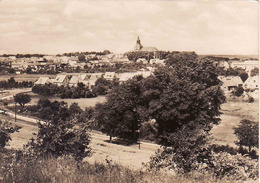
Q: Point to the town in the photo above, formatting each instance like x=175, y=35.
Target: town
x=69, y=69
x=129, y=91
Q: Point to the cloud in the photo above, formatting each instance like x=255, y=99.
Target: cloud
x=59, y=26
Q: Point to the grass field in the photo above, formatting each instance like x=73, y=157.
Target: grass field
x=233, y=113
x=25, y=77
x=82, y=102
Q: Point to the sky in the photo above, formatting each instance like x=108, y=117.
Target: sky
x=59, y=26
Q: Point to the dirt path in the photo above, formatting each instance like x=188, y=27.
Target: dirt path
x=130, y=156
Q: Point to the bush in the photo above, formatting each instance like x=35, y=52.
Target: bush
x=6, y=129
x=59, y=138
x=247, y=134
x=234, y=167
x=221, y=165
x=188, y=149
x=238, y=91
x=251, y=100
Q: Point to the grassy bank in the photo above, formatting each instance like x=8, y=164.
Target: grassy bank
x=67, y=170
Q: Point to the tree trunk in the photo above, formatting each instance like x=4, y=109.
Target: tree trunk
x=110, y=138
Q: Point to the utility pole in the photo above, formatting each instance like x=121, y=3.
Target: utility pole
x=139, y=139
x=14, y=110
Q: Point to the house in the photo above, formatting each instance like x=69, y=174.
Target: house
x=126, y=76
x=157, y=61
x=73, y=63
x=142, y=60
x=42, y=81
x=230, y=82
x=84, y=78
x=74, y=80
x=145, y=74
x=251, y=83
x=110, y=76
x=248, y=65
x=93, y=78
x=61, y=79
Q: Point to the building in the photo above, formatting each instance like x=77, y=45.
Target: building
x=93, y=78
x=247, y=65
x=61, y=80
x=251, y=83
x=142, y=60
x=126, y=76
x=74, y=80
x=230, y=83
x=157, y=61
x=42, y=81
x=110, y=76
x=139, y=47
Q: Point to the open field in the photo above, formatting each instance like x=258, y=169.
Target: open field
x=82, y=102
x=233, y=113
x=24, y=77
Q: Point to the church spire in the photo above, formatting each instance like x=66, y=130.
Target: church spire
x=138, y=45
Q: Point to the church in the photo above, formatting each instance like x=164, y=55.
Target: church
x=139, y=47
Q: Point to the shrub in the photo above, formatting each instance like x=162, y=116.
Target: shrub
x=188, y=149
x=247, y=134
x=251, y=100
x=59, y=138
x=6, y=129
x=22, y=99
x=238, y=91
x=234, y=167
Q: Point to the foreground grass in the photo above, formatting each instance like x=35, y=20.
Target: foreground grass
x=66, y=170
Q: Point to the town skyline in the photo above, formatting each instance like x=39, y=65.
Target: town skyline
x=56, y=27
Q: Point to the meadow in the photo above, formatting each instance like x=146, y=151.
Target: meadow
x=25, y=77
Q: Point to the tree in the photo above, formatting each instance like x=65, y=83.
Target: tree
x=6, y=129
x=243, y=76
x=59, y=138
x=238, y=91
x=82, y=58
x=106, y=52
x=28, y=70
x=74, y=109
x=254, y=72
x=22, y=99
x=247, y=134
x=120, y=115
x=186, y=93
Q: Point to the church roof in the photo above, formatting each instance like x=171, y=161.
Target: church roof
x=150, y=49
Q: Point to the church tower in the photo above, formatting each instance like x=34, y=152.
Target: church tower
x=138, y=45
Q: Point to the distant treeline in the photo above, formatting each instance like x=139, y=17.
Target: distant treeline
x=102, y=87
x=23, y=55
x=135, y=55
x=70, y=54
x=11, y=83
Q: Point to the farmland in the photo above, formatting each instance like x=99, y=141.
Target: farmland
x=25, y=77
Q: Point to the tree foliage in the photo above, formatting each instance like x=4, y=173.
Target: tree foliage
x=247, y=133
x=6, y=129
x=184, y=93
x=22, y=99
x=254, y=72
x=243, y=76
x=82, y=58
x=135, y=55
x=119, y=116
x=59, y=138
